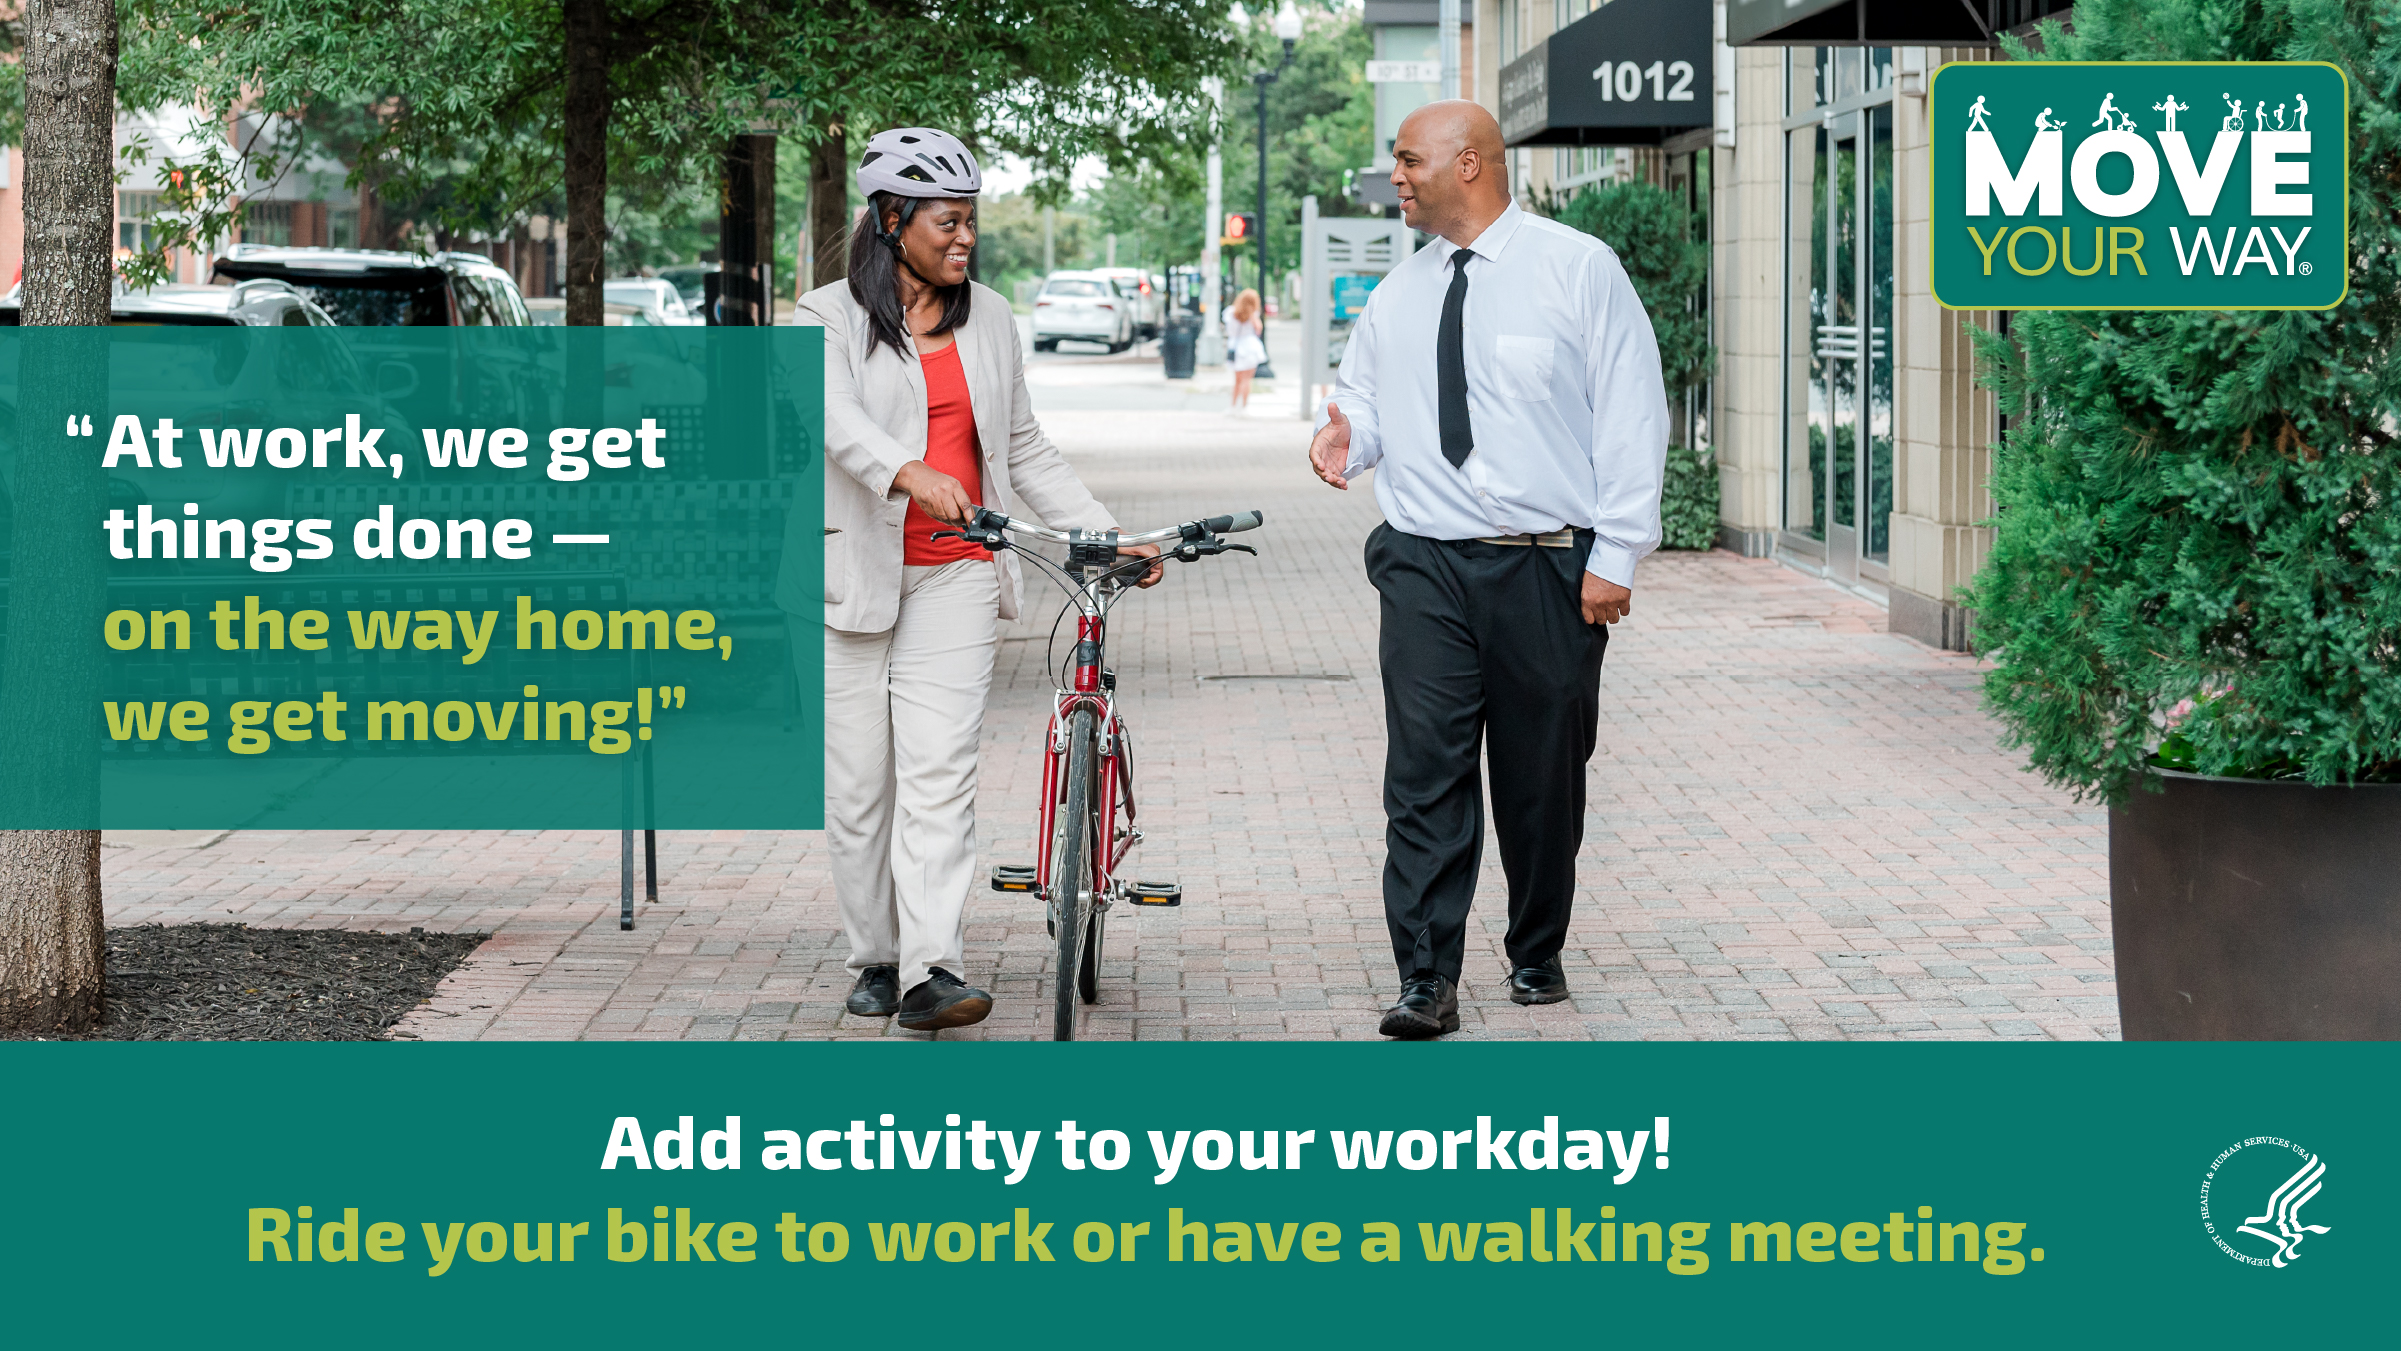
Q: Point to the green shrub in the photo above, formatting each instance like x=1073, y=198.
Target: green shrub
x=1688, y=504
x=1651, y=231
x=2206, y=507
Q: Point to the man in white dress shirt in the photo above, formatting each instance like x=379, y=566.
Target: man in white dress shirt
x=1504, y=383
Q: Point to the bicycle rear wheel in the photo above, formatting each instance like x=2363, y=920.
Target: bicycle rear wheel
x=1071, y=878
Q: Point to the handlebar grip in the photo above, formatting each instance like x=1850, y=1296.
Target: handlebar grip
x=1223, y=525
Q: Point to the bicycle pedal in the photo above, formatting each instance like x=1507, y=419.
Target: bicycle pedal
x=1013, y=877
x=1155, y=893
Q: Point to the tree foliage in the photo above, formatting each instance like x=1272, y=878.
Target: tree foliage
x=458, y=108
x=2206, y=507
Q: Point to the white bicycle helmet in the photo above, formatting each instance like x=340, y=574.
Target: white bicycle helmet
x=919, y=162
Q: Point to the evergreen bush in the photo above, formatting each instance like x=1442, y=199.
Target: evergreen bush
x=1688, y=501
x=1651, y=231
x=2197, y=555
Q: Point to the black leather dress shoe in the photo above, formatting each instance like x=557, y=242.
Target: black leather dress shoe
x=1544, y=984
x=943, y=1001
x=877, y=995
x=1429, y=1007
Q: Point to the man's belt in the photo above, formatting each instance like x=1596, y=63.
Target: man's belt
x=1557, y=539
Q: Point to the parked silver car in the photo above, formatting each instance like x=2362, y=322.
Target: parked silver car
x=262, y=303
x=1083, y=307
x=1146, y=292
x=657, y=297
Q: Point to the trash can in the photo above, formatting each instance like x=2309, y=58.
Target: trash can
x=1177, y=344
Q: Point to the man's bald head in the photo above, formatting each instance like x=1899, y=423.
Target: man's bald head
x=1448, y=168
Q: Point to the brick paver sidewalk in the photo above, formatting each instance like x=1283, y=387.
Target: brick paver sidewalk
x=1800, y=827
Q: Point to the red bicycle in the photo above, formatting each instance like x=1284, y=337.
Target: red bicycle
x=1087, y=820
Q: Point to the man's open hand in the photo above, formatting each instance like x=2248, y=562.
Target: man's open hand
x=1330, y=449
x=1605, y=602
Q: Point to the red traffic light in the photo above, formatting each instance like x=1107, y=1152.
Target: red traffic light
x=1240, y=228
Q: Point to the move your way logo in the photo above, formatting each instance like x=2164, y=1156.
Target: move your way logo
x=2139, y=186
x=2233, y=1184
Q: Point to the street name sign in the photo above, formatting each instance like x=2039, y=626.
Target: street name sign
x=2139, y=185
x=1404, y=72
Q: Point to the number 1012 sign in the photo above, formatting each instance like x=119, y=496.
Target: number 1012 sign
x=2139, y=185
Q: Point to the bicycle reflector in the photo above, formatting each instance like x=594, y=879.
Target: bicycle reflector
x=1013, y=877
x=1155, y=893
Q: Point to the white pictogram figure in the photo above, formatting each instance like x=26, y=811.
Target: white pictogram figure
x=2043, y=122
x=2301, y=112
x=2279, y=117
x=1976, y=115
x=2109, y=112
x=2284, y=1211
x=2234, y=118
x=2259, y=115
x=2171, y=108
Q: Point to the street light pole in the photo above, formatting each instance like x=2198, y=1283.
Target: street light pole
x=1288, y=28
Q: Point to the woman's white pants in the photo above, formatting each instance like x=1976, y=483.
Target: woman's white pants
x=904, y=713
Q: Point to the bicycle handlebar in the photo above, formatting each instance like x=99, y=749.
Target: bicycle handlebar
x=1192, y=531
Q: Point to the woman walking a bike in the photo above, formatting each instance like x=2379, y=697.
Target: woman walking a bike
x=926, y=418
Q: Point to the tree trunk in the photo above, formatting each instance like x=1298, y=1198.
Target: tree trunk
x=746, y=231
x=587, y=137
x=829, y=206
x=51, y=935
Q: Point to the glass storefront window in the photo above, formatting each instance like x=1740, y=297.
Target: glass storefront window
x=1839, y=346
x=1877, y=543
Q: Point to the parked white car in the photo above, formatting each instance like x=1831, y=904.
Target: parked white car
x=551, y=312
x=1083, y=307
x=1146, y=292
x=655, y=296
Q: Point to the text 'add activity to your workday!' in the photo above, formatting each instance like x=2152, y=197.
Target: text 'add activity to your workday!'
x=2139, y=185
x=412, y=578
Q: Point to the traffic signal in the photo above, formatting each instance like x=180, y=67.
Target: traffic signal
x=1241, y=228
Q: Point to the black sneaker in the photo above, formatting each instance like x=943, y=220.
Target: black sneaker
x=877, y=995
x=943, y=1001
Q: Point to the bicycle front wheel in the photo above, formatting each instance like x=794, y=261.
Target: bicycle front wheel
x=1071, y=879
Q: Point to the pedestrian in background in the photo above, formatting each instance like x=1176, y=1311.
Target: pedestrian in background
x=1246, y=343
x=926, y=416
x=1504, y=383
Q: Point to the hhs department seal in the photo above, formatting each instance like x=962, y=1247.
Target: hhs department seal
x=2251, y=1200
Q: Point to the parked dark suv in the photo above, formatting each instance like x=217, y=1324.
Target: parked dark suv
x=382, y=291
x=381, y=288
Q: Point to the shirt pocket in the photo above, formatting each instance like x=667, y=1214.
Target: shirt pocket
x=1524, y=364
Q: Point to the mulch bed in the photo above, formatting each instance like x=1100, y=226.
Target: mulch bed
x=230, y=982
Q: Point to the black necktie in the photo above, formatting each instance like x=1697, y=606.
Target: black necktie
x=1450, y=366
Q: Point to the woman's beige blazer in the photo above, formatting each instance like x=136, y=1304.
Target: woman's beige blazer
x=875, y=423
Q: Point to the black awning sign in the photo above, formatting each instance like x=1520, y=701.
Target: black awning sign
x=1630, y=73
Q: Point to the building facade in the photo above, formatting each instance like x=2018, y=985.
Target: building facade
x=1852, y=438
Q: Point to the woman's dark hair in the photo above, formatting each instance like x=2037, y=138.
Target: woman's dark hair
x=875, y=275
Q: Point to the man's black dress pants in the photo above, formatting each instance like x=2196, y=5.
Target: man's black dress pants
x=1484, y=647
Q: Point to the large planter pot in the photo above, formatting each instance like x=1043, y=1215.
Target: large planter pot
x=2244, y=910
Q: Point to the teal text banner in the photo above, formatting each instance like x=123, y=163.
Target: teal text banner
x=2139, y=185
x=410, y=578
x=1200, y=1195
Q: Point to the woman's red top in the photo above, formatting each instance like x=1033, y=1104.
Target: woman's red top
x=951, y=447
